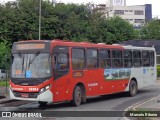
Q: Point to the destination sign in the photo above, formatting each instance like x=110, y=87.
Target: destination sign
x=30, y=46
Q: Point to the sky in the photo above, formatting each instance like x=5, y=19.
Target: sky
x=155, y=3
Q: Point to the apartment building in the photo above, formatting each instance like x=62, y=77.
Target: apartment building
x=136, y=14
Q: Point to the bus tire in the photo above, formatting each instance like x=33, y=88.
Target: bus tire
x=42, y=103
x=77, y=96
x=133, y=88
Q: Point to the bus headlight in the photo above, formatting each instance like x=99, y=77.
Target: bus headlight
x=45, y=88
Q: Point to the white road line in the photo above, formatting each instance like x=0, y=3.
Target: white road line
x=136, y=105
x=134, y=108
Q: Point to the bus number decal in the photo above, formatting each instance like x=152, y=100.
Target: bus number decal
x=78, y=74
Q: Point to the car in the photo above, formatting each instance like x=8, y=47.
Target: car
x=2, y=75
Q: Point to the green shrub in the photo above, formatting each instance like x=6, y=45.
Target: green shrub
x=158, y=70
x=3, y=83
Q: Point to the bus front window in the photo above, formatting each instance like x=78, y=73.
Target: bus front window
x=36, y=65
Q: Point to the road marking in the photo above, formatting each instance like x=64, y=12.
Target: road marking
x=137, y=105
x=134, y=108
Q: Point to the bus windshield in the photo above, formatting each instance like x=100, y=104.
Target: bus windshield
x=36, y=65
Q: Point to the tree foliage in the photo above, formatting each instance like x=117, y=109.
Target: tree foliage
x=19, y=21
x=151, y=30
x=5, y=55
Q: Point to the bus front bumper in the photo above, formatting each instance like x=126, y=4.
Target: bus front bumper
x=46, y=96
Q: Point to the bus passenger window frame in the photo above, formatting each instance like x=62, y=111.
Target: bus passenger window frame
x=128, y=59
x=139, y=59
x=145, y=58
x=57, y=73
x=92, y=66
x=58, y=65
x=83, y=65
x=115, y=59
x=105, y=61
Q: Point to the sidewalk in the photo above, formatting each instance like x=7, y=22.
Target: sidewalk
x=4, y=94
x=150, y=105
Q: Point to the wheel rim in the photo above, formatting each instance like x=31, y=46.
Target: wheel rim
x=133, y=89
x=78, y=97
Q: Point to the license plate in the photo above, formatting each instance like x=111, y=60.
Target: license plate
x=24, y=95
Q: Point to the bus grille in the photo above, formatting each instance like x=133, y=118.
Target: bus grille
x=26, y=94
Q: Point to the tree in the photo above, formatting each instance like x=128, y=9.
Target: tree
x=5, y=55
x=151, y=30
x=75, y=22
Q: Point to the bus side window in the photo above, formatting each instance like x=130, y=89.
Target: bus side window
x=116, y=58
x=137, y=58
x=61, y=61
x=127, y=57
x=146, y=58
x=105, y=59
x=78, y=58
x=92, y=58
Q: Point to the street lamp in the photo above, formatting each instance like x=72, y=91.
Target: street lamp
x=39, y=19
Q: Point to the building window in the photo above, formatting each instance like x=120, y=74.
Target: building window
x=130, y=10
x=126, y=10
x=92, y=58
x=129, y=20
x=78, y=58
x=139, y=12
x=119, y=12
x=105, y=58
x=139, y=21
x=116, y=58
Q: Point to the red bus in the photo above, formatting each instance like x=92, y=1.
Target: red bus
x=56, y=71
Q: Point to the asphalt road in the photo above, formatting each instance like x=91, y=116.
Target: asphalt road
x=116, y=102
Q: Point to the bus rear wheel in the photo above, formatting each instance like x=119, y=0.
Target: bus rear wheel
x=42, y=103
x=133, y=88
x=77, y=96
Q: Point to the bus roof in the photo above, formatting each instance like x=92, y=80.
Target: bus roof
x=59, y=42
x=84, y=44
x=138, y=48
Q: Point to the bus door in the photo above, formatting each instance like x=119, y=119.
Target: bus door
x=60, y=71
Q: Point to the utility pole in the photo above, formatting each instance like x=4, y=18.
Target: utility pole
x=40, y=19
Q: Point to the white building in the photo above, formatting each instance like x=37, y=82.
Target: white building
x=136, y=15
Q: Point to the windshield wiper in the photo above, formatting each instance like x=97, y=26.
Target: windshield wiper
x=22, y=64
x=31, y=61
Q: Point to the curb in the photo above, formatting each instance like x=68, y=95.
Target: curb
x=2, y=97
x=6, y=100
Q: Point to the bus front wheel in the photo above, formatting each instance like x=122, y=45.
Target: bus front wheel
x=133, y=88
x=77, y=96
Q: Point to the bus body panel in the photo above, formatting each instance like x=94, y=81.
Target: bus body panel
x=23, y=92
x=47, y=96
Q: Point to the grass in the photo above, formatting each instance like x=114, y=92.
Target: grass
x=3, y=83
